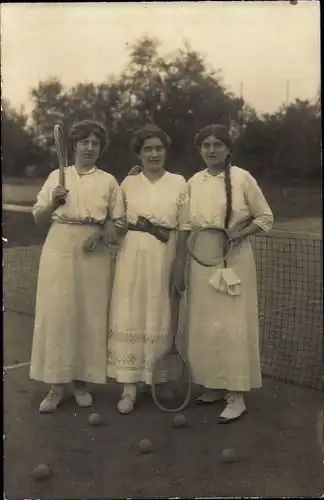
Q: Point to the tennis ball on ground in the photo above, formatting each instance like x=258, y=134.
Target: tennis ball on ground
x=95, y=420
x=229, y=456
x=41, y=472
x=179, y=421
x=145, y=446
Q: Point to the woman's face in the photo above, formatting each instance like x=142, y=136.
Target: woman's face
x=213, y=151
x=152, y=154
x=87, y=150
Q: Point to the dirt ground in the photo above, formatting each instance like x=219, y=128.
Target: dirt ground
x=279, y=442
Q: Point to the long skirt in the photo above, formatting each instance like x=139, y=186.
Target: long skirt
x=140, y=307
x=71, y=321
x=223, y=330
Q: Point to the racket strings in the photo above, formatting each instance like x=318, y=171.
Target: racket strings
x=171, y=382
x=209, y=246
x=169, y=368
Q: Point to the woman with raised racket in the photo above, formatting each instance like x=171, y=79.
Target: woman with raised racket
x=223, y=329
x=74, y=280
x=147, y=267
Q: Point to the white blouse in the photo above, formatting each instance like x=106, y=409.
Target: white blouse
x=208, y=200
x=164, y=202
x=91, y=197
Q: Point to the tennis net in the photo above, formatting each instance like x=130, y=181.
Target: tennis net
x=289, y=286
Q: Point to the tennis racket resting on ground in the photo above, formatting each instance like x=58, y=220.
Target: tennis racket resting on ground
x=174, y=368
x=61, y=152
x=210, y=246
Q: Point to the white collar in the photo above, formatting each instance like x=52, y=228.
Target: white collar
x=91, y=171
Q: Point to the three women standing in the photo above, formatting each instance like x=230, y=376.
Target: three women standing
x=70, y=338
x=74, y=282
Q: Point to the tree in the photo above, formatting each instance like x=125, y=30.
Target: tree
x=284, y=146
x=179, y=93
x=18, y=144
x=301, y=138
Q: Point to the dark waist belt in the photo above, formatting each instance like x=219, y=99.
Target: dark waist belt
x=145, y=226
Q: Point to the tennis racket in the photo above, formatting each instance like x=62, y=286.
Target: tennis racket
x=210, y=246
x=61, y=152
x=171, y=372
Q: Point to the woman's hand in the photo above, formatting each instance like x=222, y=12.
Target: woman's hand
x=113, y=249
x=92, y=242
x=237, y=236
x=112, y=236
x=109, y=233
x=135, y=170
x=59, y=196
x=234, y=236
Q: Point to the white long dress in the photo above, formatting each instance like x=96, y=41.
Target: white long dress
x=74, y=287
x=140, y=307
x=223, y=330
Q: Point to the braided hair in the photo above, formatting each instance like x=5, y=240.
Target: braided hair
x=220, y=132
x=228, y=190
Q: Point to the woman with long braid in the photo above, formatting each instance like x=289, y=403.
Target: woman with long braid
x=223, y=330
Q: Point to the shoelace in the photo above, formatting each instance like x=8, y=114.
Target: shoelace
x=52, y=393
x=229, y=398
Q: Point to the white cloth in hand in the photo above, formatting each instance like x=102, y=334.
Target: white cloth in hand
x=226, y=281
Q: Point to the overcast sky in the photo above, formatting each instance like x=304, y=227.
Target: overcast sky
x=263, y=44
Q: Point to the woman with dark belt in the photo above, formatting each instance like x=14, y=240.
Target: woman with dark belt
x=74, y=281
x=156, y=203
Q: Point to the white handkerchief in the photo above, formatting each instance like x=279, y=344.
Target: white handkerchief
x=215, y=279
x=226, y=281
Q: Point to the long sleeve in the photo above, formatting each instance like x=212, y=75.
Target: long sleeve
x=258, y=205
x=44, y=197
x=116, y=204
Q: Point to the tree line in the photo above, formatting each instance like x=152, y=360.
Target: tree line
x=180, y=94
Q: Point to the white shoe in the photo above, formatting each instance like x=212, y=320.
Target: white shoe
x=53, y=399
x=210, y=397
x=126, y=404
x=81, y=395
x=234, y=409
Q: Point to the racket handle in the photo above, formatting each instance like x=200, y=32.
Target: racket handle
x=175, y=307
x=61, y=176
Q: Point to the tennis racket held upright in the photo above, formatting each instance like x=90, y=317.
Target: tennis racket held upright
x=171, y=371
x=61, y=151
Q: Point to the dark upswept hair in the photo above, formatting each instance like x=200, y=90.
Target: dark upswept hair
x=222, y=133
x=148, y=132
x=82, y=130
